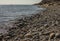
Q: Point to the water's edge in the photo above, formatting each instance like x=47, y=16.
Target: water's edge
x=6, y=25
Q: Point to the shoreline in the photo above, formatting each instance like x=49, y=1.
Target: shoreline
x=6, y=25
x=13, y=24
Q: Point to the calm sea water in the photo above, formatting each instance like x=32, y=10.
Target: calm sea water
x=10, y=12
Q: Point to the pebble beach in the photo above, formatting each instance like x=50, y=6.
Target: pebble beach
x=43, y=26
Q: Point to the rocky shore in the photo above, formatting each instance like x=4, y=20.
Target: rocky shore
x=43, y=26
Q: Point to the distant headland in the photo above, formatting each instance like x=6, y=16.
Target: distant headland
x=47, y=2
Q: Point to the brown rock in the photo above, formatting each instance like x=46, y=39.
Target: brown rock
x=52, y=35
x=29, y=35
x=46, y=5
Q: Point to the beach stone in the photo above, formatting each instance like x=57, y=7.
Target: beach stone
x=17, y=38
x=29, y=35
x=46, y=5
x=46, y=25
x=52, y=35
x=57, y=35
x=7, y=37
x=50, y=4
x=48, y=33
x=21, y=36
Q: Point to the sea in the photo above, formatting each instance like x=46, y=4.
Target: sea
x=11, y=12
